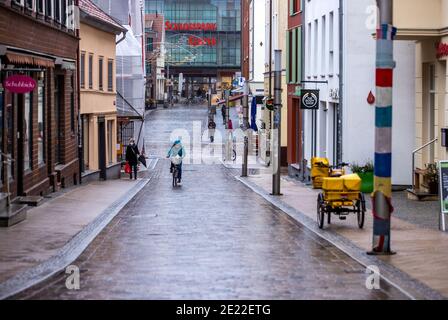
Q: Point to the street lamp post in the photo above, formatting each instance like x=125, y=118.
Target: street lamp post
x=277, y=123
x=245, y=128
x=382, y=196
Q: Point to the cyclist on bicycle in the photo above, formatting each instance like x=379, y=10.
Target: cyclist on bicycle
x=176, y=154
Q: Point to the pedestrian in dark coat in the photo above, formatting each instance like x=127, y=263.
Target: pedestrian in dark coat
x=132, y=154
x=223, y=113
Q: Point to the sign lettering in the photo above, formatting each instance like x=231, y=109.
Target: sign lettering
x=19, y=84
x=197, y=26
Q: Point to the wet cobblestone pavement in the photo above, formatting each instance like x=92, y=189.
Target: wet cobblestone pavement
x=210, y=239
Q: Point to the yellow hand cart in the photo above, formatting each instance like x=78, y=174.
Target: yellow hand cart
x=341, y=196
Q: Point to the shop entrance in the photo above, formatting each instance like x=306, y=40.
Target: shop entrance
x=102, y=147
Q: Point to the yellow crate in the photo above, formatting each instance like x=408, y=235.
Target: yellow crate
x=317, y=182
x=320, y=162
x=333, y=184
x=341, y=196
x=352, y=182
x=339, y=204
x=319, y=172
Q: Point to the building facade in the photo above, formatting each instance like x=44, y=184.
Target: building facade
x=276, y=24
x=253, y=37
x=426, y=24
x=130, y=70
x=343, y=128
x=155, y=60
x=39, y=129
x=202, y=41
x=294, y=61
x=98, y=111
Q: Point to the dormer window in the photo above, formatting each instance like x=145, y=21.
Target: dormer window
x=49, y=8
x=40, y=6
x=57, y=11
x=29, y=4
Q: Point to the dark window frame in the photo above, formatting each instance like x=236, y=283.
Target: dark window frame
x=90, y=70
x=83, y=70
x=110, y=75
x=101, y=73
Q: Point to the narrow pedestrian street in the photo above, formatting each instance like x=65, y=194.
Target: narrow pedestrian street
x=212, y=238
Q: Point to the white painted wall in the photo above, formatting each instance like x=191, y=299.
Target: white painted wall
x=359, y=79
x=257, y=37
x=321, y=65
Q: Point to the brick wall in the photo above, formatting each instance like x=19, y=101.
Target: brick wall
x=26, y=33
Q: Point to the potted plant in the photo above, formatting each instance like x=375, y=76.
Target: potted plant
x=431, y=178
x=366, y=173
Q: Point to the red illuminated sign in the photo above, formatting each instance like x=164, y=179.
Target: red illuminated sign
x=197, y=26
x=442, y=50
x=197, y=42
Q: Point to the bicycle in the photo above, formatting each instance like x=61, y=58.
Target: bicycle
x=175, y=175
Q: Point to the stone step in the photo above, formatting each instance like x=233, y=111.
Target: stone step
x=12, y=215
x=421, y=195
x=32, y=201
x=3, y=200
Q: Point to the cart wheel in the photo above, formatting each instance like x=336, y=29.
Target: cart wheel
x=320, y=211
x=361, y=211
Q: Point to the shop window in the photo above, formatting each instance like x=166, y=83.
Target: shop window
x=85, y=141
x=10, y=136
x=110, y=155
x=72, y=104
x=41, y=120
x=27, y=132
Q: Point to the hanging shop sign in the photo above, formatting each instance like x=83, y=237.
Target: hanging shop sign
x=196, y=26
x=310, y=99
x=19, y=84
x=443, y=181
x=442, y=50
x=371, y=98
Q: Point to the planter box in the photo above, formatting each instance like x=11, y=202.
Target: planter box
x=367, y=182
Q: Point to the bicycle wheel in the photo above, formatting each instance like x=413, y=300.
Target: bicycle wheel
x=234, y=155
x=361, y=211
x=320, y=211
x=175, y=177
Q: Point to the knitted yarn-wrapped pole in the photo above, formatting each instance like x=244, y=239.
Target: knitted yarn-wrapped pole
x=382, y=196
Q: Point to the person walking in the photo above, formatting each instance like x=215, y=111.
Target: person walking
x=211, y=130
x=132, y=154
x=223, y=113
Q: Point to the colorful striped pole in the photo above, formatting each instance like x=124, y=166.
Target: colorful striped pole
x=382, y=196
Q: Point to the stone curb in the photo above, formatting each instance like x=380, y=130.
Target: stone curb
x=412, y=288
x=70, y=251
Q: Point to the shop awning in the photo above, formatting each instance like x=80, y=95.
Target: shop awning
x=231, y=99
x=19, y=58
x=235, y=98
